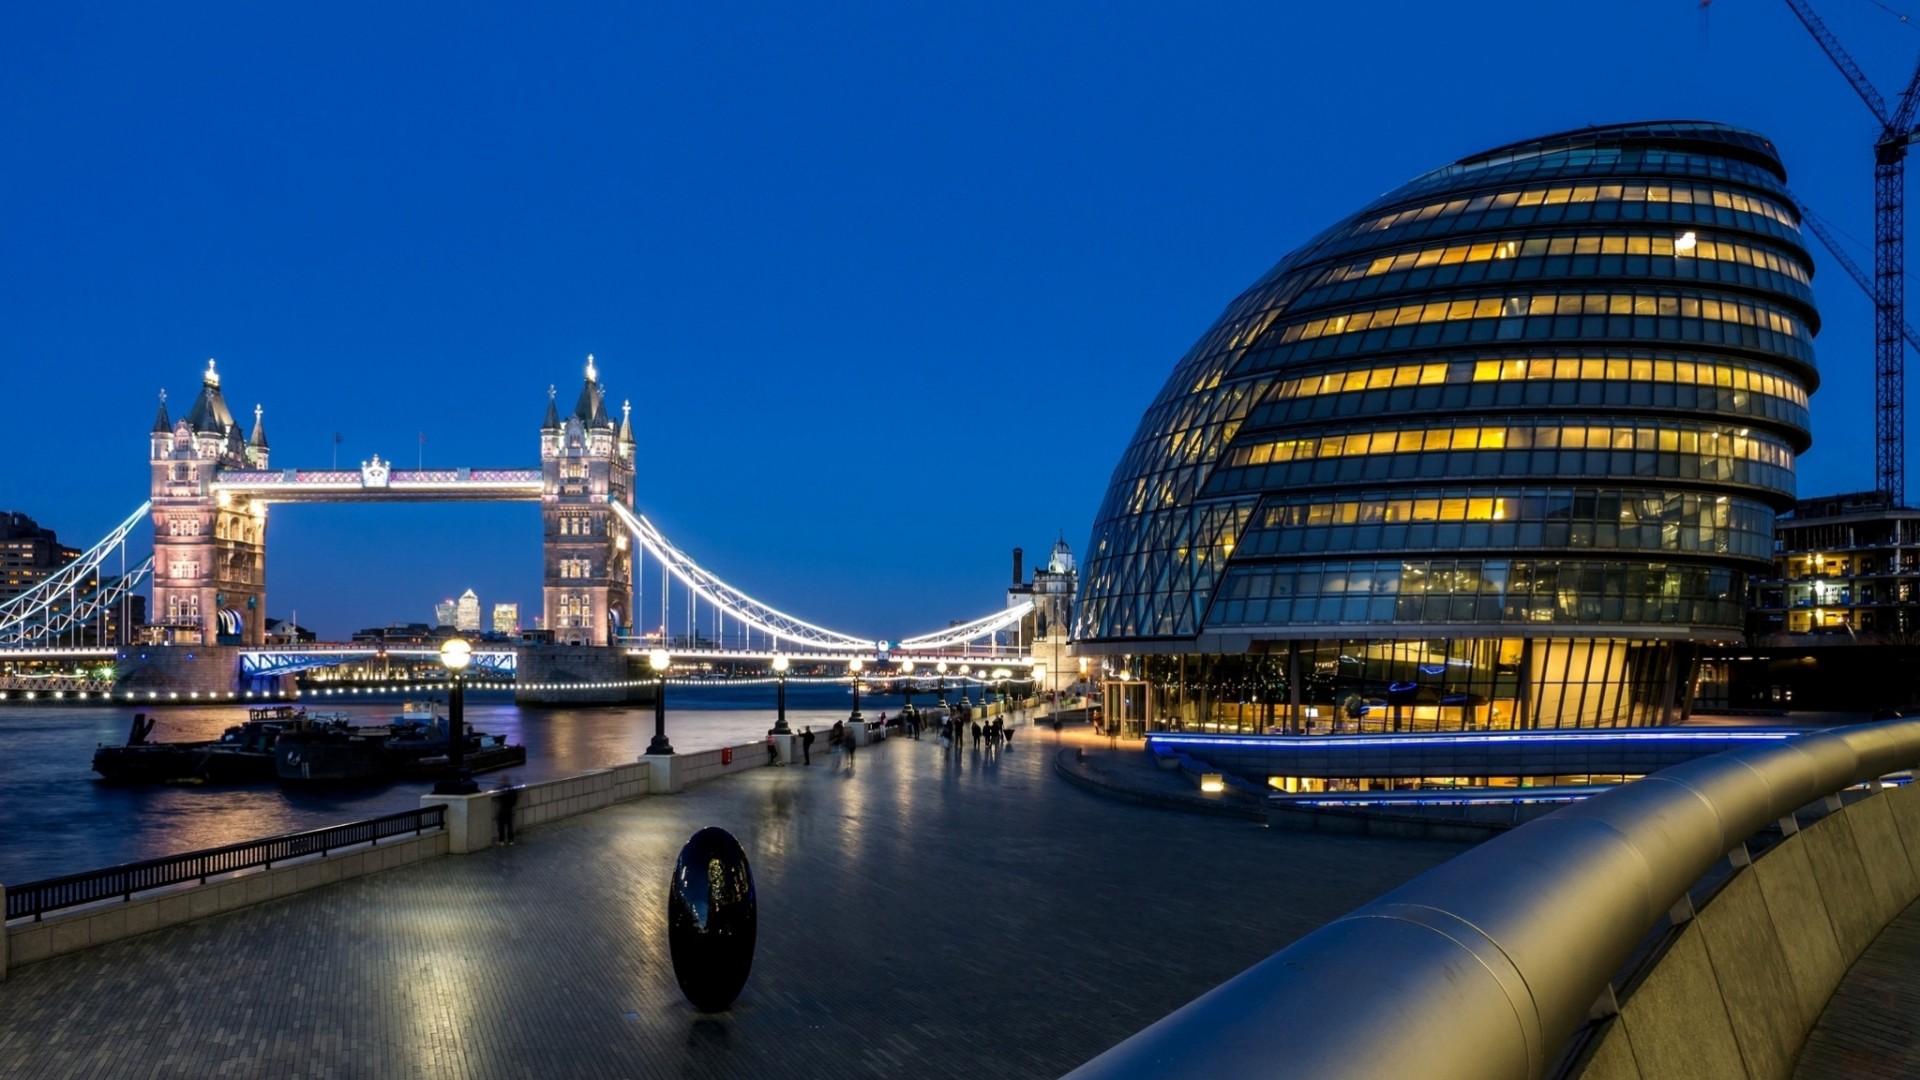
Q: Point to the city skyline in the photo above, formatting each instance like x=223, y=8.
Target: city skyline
x=991, y=254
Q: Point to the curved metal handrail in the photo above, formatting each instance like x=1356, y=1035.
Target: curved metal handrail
x=1485, y=966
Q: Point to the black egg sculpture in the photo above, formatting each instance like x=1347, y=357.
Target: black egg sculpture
x=711, y=918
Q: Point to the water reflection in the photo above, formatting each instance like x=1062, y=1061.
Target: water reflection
x=57, y=818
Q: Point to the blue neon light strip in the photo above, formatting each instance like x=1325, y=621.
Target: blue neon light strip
x=1641, y=735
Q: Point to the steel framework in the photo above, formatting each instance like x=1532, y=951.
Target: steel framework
x=37, y=615
x=1889, y=253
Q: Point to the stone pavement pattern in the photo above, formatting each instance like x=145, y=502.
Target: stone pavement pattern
x=1871, y=1026
x=924, y=913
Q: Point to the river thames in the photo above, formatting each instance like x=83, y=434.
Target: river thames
x=57, y=818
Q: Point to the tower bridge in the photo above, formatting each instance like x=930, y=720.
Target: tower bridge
x=209, y=497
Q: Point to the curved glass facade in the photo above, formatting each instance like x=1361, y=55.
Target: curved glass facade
x=1550, y=391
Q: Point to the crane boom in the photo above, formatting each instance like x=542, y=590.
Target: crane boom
x=1842, y=60
x=1859, y=276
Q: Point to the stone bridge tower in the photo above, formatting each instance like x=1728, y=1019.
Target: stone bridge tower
x=209, y=548
x=585, y=460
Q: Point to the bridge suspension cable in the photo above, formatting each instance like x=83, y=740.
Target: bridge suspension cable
x=978, y=628
x=33, y=614
x=778, y=624
x=745, y=608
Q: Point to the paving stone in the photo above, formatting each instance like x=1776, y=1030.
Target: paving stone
x=1871, y=1026
x=925, y=913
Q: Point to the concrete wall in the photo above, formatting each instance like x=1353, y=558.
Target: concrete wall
x=1743, y=982
x=115, y=920
x=470, y=818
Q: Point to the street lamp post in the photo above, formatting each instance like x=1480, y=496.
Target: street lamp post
x=780, y=727
x=1039, y=675
x=941, y=669
x=906, y=684
x=853, y=669
x=659, y=660
x=966, y=688
x=456, y=654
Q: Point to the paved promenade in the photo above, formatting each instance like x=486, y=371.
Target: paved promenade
x=923, y=914
x=1871, y=1026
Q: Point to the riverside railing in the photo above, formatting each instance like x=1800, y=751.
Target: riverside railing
x=1485, y=966
x=121, y=882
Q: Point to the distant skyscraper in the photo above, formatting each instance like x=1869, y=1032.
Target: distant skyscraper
x=466, y=613
x=506, y=618
x=443, y=612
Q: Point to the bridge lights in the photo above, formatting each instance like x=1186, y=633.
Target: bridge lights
x=853, y=669
x=780, y=665
x=659, y=660
x=455, y=655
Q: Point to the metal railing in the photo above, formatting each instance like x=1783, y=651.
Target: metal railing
x=1485, y=966
x=121, y=882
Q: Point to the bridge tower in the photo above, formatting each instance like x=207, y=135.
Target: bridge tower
x=209, y=548
x=585, y=460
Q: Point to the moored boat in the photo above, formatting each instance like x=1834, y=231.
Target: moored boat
x=415, y=745
x=243, y=754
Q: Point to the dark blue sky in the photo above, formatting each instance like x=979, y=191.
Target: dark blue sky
x=888, y=284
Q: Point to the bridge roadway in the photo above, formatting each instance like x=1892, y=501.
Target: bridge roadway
x=921, y=916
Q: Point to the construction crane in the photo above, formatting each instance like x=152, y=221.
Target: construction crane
x=1821, y=229
x=1889, y=255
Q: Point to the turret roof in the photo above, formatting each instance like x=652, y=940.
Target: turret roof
x=552, y=422
x=209, y=412
x=162, y=425
x=259, y=438
x=592, y=406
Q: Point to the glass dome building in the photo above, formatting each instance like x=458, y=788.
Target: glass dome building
x=1495, y=452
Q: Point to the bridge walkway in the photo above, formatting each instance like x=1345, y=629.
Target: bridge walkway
x=922, y=915
x=1870, y=1028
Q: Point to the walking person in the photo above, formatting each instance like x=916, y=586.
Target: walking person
x=503, y=799
x=806, y=746
x=850, y=742
x=773, y=750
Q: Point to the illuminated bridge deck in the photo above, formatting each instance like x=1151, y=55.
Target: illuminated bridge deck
x=919, y=918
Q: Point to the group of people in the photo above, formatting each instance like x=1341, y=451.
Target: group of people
x=995, y=732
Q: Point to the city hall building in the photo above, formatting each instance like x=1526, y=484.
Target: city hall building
x=1499, y=451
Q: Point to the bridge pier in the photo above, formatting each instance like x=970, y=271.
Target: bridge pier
x=185, y=670
x=580, y=675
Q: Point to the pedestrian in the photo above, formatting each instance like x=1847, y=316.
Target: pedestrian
x=851, y=741
x=806, y=746
x=1007, y=734
x=976, y=733
x=503, y=800
x=773, y=750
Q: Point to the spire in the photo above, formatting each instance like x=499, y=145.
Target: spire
x=209, y=412
x=259, y=438
x=592, y=406
x=552, y=422
x=162, y=425
x=626, y=421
